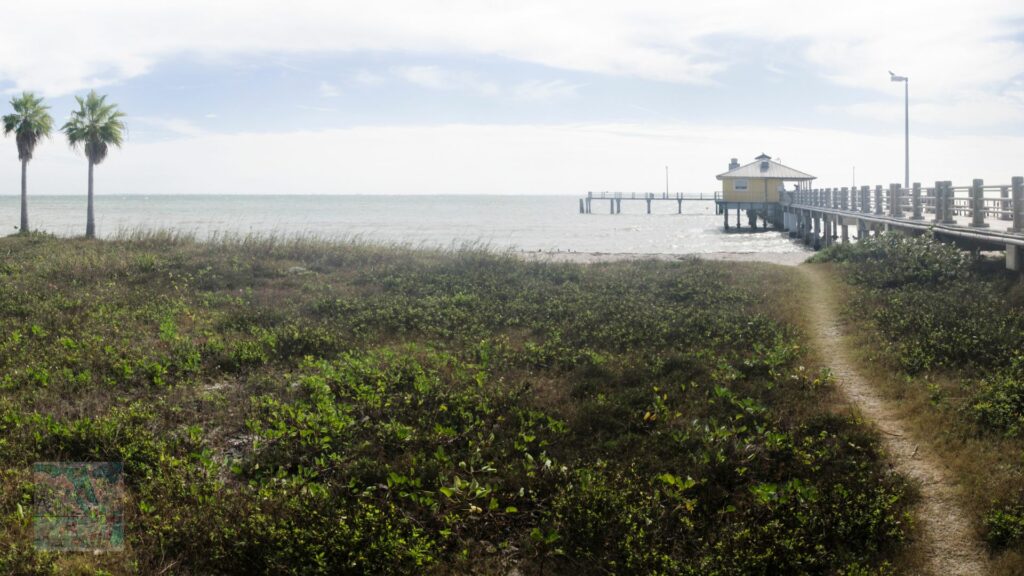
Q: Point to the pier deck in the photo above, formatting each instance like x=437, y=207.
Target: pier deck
x=615, y=199
x=978, y=217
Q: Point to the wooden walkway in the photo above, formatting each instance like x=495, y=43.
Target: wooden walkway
x=615, y=199
x=978, y=217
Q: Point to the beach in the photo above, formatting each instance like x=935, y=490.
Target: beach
x=780, y=258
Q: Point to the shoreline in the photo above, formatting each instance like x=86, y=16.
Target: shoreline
x=778, y=258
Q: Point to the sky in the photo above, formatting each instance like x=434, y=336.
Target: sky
x=523, y=97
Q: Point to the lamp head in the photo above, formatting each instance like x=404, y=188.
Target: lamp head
x=896, y=78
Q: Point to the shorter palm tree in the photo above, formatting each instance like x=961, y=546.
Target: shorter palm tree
x=93, y=128
x=30, y=123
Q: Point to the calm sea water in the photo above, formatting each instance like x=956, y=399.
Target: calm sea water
x=548, y=223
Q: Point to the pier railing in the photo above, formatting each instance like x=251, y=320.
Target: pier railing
x=975, y=206
x=652, y=196
x=615, y=199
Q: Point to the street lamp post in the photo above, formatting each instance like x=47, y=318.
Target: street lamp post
x=906, y=126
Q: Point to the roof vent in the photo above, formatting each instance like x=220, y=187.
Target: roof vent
x=763, y=156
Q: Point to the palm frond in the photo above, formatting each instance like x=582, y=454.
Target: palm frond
x=30, y=123
x=95, y=126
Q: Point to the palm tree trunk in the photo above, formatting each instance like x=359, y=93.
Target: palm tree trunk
x=24, y=197
x=90, y=222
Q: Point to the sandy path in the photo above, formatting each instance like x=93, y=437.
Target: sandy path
x=950, y=543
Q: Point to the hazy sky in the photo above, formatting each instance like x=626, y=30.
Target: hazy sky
x=524, y=96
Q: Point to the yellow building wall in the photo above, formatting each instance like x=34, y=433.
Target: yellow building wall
x=758, y=190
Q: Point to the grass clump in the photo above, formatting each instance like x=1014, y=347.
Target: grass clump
x=284, y=407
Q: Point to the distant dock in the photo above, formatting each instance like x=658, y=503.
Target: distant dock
x=615, y=199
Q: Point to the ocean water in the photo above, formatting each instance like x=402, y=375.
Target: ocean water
x=529, y=223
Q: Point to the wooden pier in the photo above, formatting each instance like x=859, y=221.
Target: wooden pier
x=976, y=217
x=615, y=199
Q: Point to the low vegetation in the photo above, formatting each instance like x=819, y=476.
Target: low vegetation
x=292, y=406
x=953, y=326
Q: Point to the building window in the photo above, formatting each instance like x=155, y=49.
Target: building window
x=739, y=184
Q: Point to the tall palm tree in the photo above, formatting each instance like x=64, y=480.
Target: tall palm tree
x=30, y=123
x=94, y=127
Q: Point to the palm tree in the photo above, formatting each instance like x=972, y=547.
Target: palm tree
x=30, y=123
x=94, y=127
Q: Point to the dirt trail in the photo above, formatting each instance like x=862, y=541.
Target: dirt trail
x=950, y=543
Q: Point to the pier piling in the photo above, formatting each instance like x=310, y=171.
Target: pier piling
x=978, y=204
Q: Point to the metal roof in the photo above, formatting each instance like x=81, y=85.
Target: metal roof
x=772, y=169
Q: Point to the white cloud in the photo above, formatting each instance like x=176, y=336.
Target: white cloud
x=367, y=78
x=972, y=111
x=328, y=90
x=530, y=159
x=175, y=126
x=437, y=78
x=60, y=46
x=546, y=90
x=316, y=108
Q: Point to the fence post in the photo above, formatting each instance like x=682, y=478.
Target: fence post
x=1018, y=204
x=895, y=208
x=865, y=199
x=978, y=204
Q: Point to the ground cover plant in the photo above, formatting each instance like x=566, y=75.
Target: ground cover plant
x=303, y=407
x=953, y=326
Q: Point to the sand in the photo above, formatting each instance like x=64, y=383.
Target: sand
x=781, y=258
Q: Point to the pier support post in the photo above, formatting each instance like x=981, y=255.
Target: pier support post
x=844, y=199
x=680, y=207
x=895, y=205
x=949, y=203
x=978, y=204
x=1014, y=258
x=1018, y=204
x=582, y=211
x=915, y=202
x=878, y=201
x=611, y=206
x=648, y=205
x=865, y=199
x=1004, y=203
x=725, y=211
x=738, y=225
x=618, y=205
x=940, y=201
x=846, y=232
